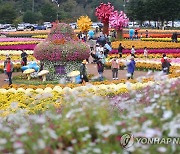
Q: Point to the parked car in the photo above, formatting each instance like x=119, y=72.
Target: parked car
x=73, y=25
x=21, y=27
x=47, y=25
x=10, y=29
x=40, y=27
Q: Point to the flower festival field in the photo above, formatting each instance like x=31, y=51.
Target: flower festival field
x=47, y=113
x=58, y=115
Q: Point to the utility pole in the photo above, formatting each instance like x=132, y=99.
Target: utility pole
x=56, y=1
x=32, y=5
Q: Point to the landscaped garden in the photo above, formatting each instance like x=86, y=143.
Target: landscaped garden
x=50, y=113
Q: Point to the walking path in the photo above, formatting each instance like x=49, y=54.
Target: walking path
x=91, y=70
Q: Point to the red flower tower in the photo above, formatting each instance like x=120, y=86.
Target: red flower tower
x=103, y=11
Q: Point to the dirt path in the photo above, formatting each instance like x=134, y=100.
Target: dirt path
x=91, y=70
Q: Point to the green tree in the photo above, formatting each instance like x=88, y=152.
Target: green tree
x=7, y=13
x=49, y=13
x=31, y=17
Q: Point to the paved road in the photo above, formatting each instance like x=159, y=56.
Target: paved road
x=92, y=69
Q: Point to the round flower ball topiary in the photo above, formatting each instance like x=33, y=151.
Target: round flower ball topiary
x=62, y=52
x=61, y=45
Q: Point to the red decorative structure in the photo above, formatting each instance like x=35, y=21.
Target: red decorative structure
x=118, y=21
x=103, y=12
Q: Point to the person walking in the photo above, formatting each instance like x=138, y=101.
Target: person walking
x=133, y=51
x=166, y=66
x=115, y=68
x=23, y=58
x=107, y=49
x=9, y=69
x=100, y=68
x=83, y=72
x=145, y=52
x=120, y=50
x=102, y=57
x=147, y=33
x=5, y=62
x=130, y=68
x=91, y=44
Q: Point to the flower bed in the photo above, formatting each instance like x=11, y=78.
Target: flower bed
x=159, y=39
x=141, y=55
x=20, y=39
x=85, y=123
x=148, y=44
x=40, y=36
x=145, y=64
x=151, y=35
x=15, y=52
x=18, y=47
x=150, y=51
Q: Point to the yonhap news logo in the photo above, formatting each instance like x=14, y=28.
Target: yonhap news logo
x=127, y=140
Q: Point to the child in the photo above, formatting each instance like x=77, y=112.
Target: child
x=115, y=68
x=133, y=51
x=145, y=52
x=130, y=68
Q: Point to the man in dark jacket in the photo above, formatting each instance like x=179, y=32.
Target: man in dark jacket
x=120, y=49
x=83, y=72
x=24, y=58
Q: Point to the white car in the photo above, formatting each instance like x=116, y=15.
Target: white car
x=73, y=25
x=20, y=27
x=10, y=29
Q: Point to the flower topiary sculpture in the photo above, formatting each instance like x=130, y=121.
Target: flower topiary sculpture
x=118, y=21
x=84, y=23
x=62, y=52
x=103, y=11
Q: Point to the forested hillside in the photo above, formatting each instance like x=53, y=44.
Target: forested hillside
x=38, y=11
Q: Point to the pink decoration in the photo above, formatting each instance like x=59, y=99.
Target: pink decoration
x=118, y=20
x=104, y=11
x=62, y=45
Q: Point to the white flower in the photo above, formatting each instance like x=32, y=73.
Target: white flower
x=40, y=120
x=14, y=105
x=20, y=151
x=162, y=149
x=41, y=144
x=17, y=145
x=52, y=133
x=82, y=129
x=74, y=141
x=21, y=131
x=96, y=150
x=70, y=149
x=167, y=115
x=3, y=141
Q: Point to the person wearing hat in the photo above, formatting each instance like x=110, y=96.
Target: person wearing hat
x=130, y=68
x=83, y=72
x=166, y=65
x=9, y=69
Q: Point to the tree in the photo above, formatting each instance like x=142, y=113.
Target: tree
x=49, y=13
x=31, y=17
x=7, y=13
